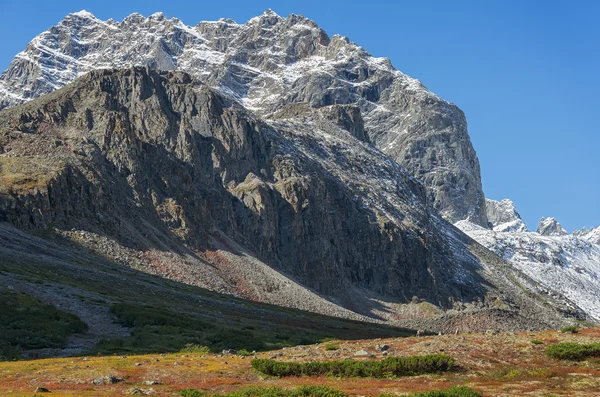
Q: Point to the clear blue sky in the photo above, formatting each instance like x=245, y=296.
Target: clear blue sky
x=526, y=73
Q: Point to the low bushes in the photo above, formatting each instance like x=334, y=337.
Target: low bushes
x=571, y=329
x=573, y=351
x=388, y=367
x=26, y=323
x=194, y=348
x=459, y=391
x=323, y=391
x=302, y=391
x=157, y=329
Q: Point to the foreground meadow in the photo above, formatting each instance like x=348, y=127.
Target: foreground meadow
x=504, y=364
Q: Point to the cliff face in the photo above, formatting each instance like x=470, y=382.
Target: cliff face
x=181, y=181
x=155, y=159
x=269, y=64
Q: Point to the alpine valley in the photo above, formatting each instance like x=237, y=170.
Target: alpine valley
x=263, y=171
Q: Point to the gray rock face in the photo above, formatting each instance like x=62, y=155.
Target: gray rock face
x=550, y=227
x=157, y=161
x=268, y=64
x=503, y=216
x=139, y=148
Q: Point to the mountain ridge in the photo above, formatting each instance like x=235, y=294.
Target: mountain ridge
x=287, y=167
x=266, y=64
x=233, y=203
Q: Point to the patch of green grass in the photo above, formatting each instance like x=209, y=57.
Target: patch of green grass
x=570, y=329
x=193, y=348
x=302, y=391
x=332, y=346
x=161, y=330
x=387, y=368
x=573, y=351
x=537, y=342
x=323, y=391
x=457, y=391
x=158, y=329
x=244, y=353
x=26, y=323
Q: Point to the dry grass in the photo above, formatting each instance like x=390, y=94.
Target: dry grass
x=26, y=173
x=497, y=365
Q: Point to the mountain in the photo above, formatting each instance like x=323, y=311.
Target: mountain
x=159, y=172
x=270, y=64
x=263, y=160
x=567, y=265
x=592, y=235
x=503, y=216
x=550, y=227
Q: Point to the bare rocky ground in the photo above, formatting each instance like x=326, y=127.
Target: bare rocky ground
x=497, y=364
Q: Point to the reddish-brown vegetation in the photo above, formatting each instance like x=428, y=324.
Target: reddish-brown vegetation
x=506, y=364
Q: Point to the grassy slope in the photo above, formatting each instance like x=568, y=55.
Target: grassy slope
x=162, y=315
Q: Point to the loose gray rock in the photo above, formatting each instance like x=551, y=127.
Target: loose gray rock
x=362, y=353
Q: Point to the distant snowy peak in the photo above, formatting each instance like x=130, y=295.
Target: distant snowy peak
x=568, y=265
x=503, y=216
x=550, y=227
x=565, y=264
x=591, y=235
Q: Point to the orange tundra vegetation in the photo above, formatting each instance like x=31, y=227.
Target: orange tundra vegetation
x=505, y=364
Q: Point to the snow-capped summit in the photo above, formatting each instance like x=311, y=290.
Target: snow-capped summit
x=591, y=235
x=268, y=65
x=550, y=227
x=503, y=216
x=83, y=14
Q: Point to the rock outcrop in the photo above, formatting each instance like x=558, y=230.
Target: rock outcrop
x=550, y=227
x=591, y=235
x=267, y=64
x=503, y=216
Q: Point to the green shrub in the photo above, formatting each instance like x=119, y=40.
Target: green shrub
x=26, y=323
x=302, y=391
x=244, y=353
x=322, y=391
x=331, y=346
x=459, y=391
x=192, y=393
x=537, y=342
x=193, y=348
x=456, y=391
x=570, y=329
x=159, y=330
x=573, y=351
x=388, y=367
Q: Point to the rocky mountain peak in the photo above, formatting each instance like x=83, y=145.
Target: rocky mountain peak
x=82, y=14
x=550, y=227
x=265, y=65
x=503, y=216
x=266, y=19
x=591, y=235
